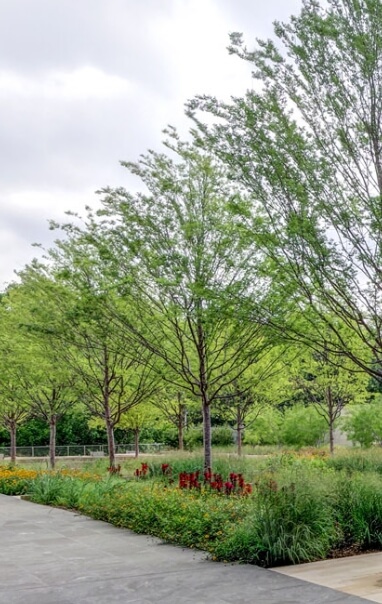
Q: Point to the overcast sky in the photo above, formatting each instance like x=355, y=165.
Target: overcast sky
x=87, y=83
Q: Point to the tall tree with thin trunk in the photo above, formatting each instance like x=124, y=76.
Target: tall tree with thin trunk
x=178, y=256
x=306, y=143
x=111, y=376
x=51, y=396
x=13, y=413
x=173, y=405
x=244, y=400
x=41, y=378
x=328, y=387
x=14, y=408
x=136, y=419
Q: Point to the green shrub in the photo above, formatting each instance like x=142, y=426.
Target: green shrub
x=266, y=429
x=222, y=436
x=193, y=437
x=302, y=426
x=363, y=424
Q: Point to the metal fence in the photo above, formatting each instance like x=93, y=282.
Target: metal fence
x=83, y=450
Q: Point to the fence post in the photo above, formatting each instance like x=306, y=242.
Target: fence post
x=32, y=451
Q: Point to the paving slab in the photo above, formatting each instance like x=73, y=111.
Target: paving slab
x=53, y=556
x=357, y=575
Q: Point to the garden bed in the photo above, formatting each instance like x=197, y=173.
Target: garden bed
x=283, y=510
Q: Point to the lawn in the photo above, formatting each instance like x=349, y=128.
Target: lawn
x=281, y=509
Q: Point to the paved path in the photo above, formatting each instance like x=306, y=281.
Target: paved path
x=357, y=575
x=51, y=556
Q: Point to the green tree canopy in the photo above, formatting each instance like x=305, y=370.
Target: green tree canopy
x=305, y=142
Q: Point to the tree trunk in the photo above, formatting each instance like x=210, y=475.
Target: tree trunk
x=52, y=441
x=331, y=421
x=136, y=441
x=180, y=434
x=110, y=441
x=207, y=435
x=181, y=412
x=239, y=431
x=331, y=438
x=106, y=407
x=12, y=430
x=203, y=386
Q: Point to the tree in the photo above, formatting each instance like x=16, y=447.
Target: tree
x=305, y=142
x=115, y=384
x=174, y=408
x=260, y=386
x=328, y=387
x=47, y=382
x=136, y=419
x=13, y=412
x=181, y=267
x=14, y=409
x=111, y=376
x=363, y=424
x=52, y=393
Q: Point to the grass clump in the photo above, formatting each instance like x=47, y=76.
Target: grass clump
x=358, y=460
x=287, y=523
x=359, y=510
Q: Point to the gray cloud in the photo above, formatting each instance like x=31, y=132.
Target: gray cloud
x=87, y=83
x=115, y=35
x=254, y=17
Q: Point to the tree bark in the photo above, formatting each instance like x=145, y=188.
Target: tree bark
x=239, y=432
x=52, y=441
x=331, y=438
x=203, y=386
x=181, y=416
x=207, y=435
x=106, y=406
x=12, y=431
x=136, y=441
x=331, y=420
x=180, y=434
x=110, y=441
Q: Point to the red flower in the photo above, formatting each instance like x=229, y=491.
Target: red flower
x=183, y=480
x=228, y=487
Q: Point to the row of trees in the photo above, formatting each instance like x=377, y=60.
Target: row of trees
x=118, y=320
x=252, y=244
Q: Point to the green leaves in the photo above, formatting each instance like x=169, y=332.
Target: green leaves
x=306, y=145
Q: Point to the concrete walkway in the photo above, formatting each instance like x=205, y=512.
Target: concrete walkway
x=357, y=575
x=51, y=556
